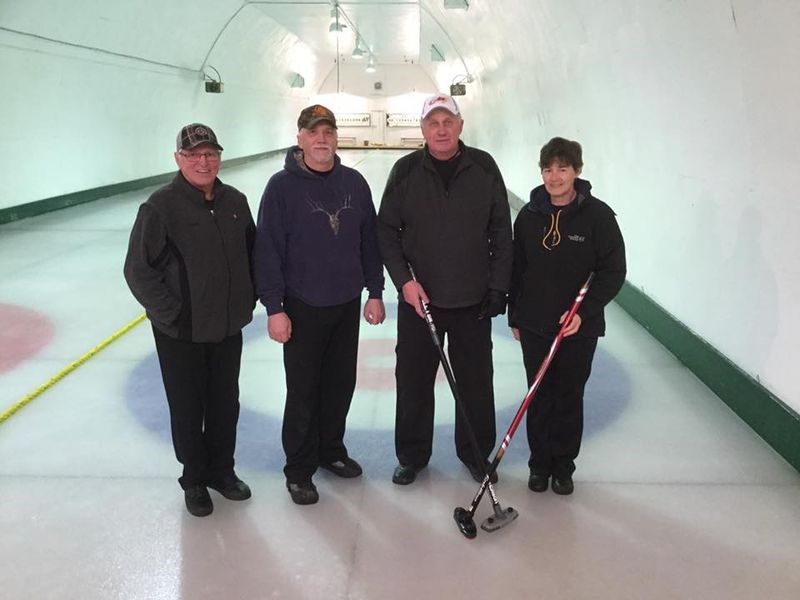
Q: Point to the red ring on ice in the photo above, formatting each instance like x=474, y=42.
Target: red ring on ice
x=23, y=333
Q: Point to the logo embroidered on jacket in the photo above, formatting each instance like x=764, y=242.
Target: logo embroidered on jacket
x=577, y=238
x=333, y=218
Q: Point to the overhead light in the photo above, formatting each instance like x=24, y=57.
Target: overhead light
x=336, y=27
x=371, y=64
x=358, y=51
x=462, y=4
x=436, y=54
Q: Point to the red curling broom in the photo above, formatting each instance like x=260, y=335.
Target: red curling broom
x=464, y=517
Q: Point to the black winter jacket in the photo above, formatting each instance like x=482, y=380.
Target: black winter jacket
x=191, y=267
x=554, y=251
x=458, y=239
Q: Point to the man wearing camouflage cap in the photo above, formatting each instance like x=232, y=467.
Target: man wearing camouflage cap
x=316, y=250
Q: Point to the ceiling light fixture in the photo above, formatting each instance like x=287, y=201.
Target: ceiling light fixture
x=358, y=51
x=336, y=27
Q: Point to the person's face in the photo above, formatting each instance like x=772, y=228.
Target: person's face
x=559, y=181
x=200, y=165
x=441, y=130
x=318, y=145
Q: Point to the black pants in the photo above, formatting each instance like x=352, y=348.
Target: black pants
x=469, y=348
x=202, y=385
x=320, y=364
x=555, y=416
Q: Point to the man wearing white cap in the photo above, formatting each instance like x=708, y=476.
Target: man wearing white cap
x=445, y=213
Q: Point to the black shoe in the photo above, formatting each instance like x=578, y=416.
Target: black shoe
x=405, y=474
x=538, y=481
x=198, y=502
x=563, y=486
x=346, y=468
x=478, y=474
x=231, y=487
x=304, y=492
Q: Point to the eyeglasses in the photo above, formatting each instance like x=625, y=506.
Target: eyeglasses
x=194, y=157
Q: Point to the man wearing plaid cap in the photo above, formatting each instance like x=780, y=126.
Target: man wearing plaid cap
x=188, y=264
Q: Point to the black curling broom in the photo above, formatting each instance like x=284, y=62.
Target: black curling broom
x=502, y=516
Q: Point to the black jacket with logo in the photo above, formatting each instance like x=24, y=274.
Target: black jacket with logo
x=555, y=248
x=190, y=267
x=457, y=239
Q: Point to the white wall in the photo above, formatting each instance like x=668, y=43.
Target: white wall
x=392, y=88
x=687, y=112
x=74, y=118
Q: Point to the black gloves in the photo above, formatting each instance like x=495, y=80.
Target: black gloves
x=493, y=304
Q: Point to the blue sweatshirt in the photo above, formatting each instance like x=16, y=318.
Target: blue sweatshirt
x=315, y=237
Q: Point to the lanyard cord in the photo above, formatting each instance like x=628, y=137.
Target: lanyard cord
x=556, y=234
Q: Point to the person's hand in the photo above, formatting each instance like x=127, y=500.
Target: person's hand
x=374, y=311
x=279, y=327
x=493, y=304
x=515, y=333
x=413, y=293
x=573, y=326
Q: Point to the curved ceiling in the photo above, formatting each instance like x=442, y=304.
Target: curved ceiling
x=187, y=34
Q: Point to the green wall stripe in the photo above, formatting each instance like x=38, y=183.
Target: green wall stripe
x=764, y=412
x=40, y=207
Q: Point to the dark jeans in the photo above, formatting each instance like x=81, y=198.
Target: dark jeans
x=555, y=416
x=201, y=381
x=320, y=364
x=469, y=348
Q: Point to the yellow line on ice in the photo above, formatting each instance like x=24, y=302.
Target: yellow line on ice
x=70, y=368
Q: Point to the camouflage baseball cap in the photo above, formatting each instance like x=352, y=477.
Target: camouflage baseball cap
x=312, y=115
x=195, y=134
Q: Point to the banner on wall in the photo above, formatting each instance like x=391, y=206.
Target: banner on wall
x=402, y=120
x=353, y=119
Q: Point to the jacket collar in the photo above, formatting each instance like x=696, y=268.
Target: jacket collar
x=540, y=199
x=463, y=154
x=294, y=162
x=196, y=194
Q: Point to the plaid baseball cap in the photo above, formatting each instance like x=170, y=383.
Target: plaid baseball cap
x=440, y=101
x=195, y=134
x=314, y=114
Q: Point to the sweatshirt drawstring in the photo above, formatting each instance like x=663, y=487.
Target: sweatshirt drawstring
x=552, y=232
